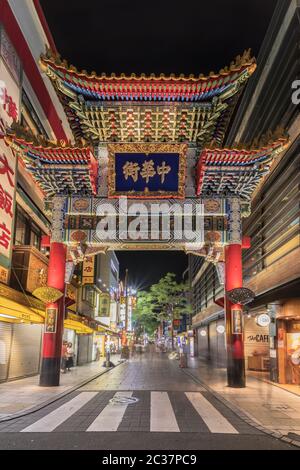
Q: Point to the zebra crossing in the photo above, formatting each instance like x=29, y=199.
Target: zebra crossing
x=154, y=411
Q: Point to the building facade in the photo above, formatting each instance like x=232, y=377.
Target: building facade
x=27, y=99
x=271, y=266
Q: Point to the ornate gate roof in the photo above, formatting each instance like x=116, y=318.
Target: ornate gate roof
x=149, y=108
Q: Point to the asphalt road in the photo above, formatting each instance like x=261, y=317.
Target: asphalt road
x=156, y=406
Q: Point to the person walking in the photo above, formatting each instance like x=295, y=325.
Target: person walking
x=70, y=354
x=64, y=356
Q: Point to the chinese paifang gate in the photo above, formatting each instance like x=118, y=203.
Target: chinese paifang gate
x=147, y=138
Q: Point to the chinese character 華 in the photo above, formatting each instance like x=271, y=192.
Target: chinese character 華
x=148, y=170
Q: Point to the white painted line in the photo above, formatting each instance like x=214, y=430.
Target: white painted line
x=111, y=416
x=213, y=419
x=162, y=417
x=52, y=420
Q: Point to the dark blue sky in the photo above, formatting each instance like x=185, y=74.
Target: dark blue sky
x=186, y=36
x=159, y=36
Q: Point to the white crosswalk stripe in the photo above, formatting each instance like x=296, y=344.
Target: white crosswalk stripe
x=213, y=419
x=162, y=415
x=49, y=422
x=111, y=416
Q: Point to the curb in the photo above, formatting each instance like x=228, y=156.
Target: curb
x=58, y=397
x=241, y=414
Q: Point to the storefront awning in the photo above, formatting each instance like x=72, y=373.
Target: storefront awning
x=14, y=312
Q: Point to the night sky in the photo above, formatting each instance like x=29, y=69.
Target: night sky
x=157, y=36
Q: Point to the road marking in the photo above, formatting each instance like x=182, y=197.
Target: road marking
x=162, y=417
x=213, y=419
x=49, y=422
x=111, y=416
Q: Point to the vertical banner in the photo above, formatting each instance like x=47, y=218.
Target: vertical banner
x=88, y=270
x=51, y=320
x=104, y=305
x=10, y=85
x=237, y=321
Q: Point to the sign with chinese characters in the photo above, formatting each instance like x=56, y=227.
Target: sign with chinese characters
x=10, y=82
x=104, y=305
x=147, y=170
x=51, y=320
x=236, y=321
x=3, y=275
x=88, y=270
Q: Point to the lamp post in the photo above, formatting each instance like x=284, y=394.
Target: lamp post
x=125, y=348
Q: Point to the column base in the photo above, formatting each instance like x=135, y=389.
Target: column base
x=236, y=377
x=50, y=372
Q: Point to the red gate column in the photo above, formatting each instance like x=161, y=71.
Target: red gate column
x=55, y=311
x=234, y=312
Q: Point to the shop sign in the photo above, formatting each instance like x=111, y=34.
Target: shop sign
x=203, y=332
x=236, y=322
x=9, y=112
x=51, y=320
x=3, y=275
x=220, y=329
x=258, y=338
x=263, y=319
x=104, y=305
x=88, y=270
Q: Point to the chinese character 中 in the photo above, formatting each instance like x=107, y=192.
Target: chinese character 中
x=148, y=170
x=5, y=169
x=5, y=201
x=4, y=236
x=163, y=170
x=131, y=169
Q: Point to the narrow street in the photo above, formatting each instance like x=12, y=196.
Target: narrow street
x=171, y=411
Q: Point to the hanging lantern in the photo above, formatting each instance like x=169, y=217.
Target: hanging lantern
x=240, y=295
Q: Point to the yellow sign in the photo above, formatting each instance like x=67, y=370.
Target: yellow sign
x=88, y=270
x=3, y=275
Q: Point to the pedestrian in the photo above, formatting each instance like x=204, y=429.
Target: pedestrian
x=98, y=353
x=70, y=354
x=64, y=357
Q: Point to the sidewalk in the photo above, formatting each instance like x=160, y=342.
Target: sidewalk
x=21, y=395
x=273, y=407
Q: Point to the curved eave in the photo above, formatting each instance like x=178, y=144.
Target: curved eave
x=249, y=156
x=244, y=62
x=147, y=88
